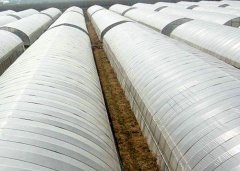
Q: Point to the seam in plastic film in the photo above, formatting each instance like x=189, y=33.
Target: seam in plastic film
x=70, y=25
x=192, y=6
x=47, y=15
x=129, y=9
x=160, y=8
x=112, y=26
x=96, y=12
x=168, y=29
x=223, y=5
x=15, y=16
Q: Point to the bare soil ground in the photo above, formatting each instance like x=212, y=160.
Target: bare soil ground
x=133, y=148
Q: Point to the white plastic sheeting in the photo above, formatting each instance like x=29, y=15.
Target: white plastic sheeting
x=53, y=115
x=11, y=46
x=75, y=9
x=218, y=10
x=154, y=19
x=72, y=13
x=91, y=11
x=187, y=107
x=236, y=3
x=198, y=7
x=187, y=3
x=2, y=13
x=53, y=13
x=25, y=13
x=220, y=4
x=145, y=6
x=15, y=35
x=6, y=19
x=98, y=9
x=168, y=4
x=220, y=41
x=30, y=28
x=219, y=18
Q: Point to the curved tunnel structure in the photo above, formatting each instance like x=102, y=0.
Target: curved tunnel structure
x=219, y=18
x=201, y=7
x=24, y=13
x=23, y=32
x=11, y=47
x=53, y=13
x=11, y=17
x=3, y=13
x=187, y=107
x=29, y=29
x=53, y=115
x=220, y=41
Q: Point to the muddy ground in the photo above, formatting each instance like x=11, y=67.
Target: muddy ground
x=133, y=148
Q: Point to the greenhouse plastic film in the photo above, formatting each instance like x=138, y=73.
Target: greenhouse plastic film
x=25, y=13
x=187, y=107
x=201, y=7
x=145, y=6
x=223, y=19
x=55, y=118
x=218, y=10
x=75, y=9
x=29, y=29
x=219, y=18
x=152, y=19
x=11, y=46
x=104, y=24
x=221, y=4
x=14, y=16
x=220, y=41
x=53, y=13
x=71, y=15
x=7, y=19
x=91, y=11
x=3, y=13
x=223, y=8
x=206, y=37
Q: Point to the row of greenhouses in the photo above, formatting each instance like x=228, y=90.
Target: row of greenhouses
x=178, y=64
x=16, y=35
x=53, y=114
x=220, y=41
x=179, y=69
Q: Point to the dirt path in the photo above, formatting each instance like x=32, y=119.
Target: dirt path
x=133, y=148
